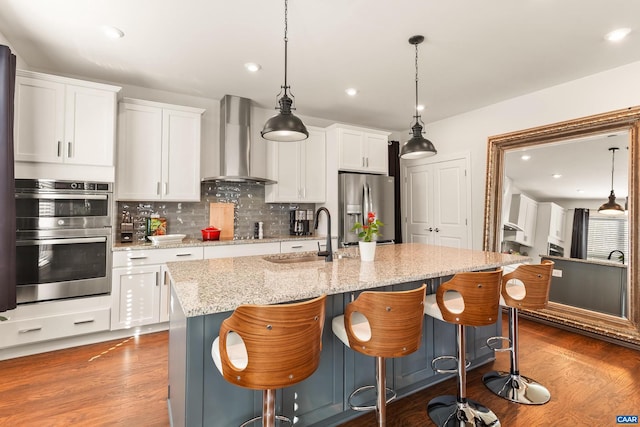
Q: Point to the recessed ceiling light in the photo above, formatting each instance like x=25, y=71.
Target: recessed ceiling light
x=525, y=157
x=352, y=91
x=556, y=175
x=112, y=32
x=252, y=67
x=579, y=190
x=420, y=107
x=617, y=35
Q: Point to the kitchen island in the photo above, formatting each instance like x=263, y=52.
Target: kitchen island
x=590, y=284
x=204, y=293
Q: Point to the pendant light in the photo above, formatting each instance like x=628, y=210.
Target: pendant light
x=611, y=207
x=285, y=126
x=418, y=146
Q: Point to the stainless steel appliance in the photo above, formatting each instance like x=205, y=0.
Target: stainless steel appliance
x=63, y=239
x=555, y=250
x=359, y=194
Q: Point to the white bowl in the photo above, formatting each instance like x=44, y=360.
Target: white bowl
x=166, y=239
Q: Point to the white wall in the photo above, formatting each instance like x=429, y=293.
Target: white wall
x=611, y=90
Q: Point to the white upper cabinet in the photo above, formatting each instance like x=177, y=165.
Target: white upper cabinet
x=299, y=169
x=524, y=212
x=361, y=150
x=158, y=152
x=551, y=220
x=61, y=120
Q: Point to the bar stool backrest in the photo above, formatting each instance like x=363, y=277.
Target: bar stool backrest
x=283, y=343
x=395, y=319
x=480, y=293
x=536, y=279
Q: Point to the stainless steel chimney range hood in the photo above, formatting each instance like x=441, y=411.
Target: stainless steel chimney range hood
x=235, y=142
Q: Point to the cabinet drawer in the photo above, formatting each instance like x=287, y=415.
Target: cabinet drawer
x=301, y=246
x=156, y=256
x=47, y=328
x=248, y=249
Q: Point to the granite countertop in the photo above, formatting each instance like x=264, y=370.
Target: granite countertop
x=604, y=262
x=186, y=242
x=221, y=285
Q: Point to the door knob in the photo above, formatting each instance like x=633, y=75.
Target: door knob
x=437, y=230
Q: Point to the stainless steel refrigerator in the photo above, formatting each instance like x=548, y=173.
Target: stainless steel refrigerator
x=359, y=194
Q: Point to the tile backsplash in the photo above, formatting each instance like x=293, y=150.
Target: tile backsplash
x=190, y=217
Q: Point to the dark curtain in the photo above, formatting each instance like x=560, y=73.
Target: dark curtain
x=394, y=171
x=580, y=233
x=7, y=186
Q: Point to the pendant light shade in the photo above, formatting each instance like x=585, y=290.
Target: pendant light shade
x=285, y=126
x=611, y=207
x=418, y=146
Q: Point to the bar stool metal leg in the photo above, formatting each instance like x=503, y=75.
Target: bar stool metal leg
x=511, y=385
x=458, y=411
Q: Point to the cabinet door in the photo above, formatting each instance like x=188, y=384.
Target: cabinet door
x=165, y=294
x=377, y=153
x=39, y=120
x=181, y=151
x=530, y=222
x=351, y=150
x=139, y=153
x=135, y=294
x=314, y=174
x=556, y=226
x=286, y=163
x=89, y=126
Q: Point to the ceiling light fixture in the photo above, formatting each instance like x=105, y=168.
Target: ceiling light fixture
x=285, y=126
x=252, y=67
x=418, y=146
x=617, y=35
x=352, y=91
x=112, y=32
x=611, y=207
x=525, y=157
x=556, y=175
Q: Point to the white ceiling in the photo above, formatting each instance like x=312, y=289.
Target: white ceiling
x=583, y=163
x=476, y=52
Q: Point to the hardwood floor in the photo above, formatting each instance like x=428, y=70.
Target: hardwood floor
x=124, y=383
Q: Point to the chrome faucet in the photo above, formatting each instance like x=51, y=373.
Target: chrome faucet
x=621, y=255
x=328, y=253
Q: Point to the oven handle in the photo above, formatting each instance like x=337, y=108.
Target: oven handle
x=61, y=241
x=78, y=196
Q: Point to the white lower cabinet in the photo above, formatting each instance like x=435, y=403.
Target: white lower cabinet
x=248, y=249
x=306, y=245
x=33, y=323
x=140, y=290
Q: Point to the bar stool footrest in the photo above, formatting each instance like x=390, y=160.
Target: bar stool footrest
x=447, y=411
x=278, y=417
x=491, y=342
x=516, y=388
x=390, y=395
x=439, y=359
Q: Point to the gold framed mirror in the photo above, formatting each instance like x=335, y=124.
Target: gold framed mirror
x=624, y=329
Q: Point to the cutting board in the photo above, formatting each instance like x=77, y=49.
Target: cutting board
x=221, y=216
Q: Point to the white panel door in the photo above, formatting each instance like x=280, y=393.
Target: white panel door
x=450, y=207
x=418, y=216
x=437, y=204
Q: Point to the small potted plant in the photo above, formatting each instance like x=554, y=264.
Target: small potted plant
x=366, y=233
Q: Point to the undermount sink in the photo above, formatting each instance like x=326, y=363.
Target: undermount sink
x=290, y=259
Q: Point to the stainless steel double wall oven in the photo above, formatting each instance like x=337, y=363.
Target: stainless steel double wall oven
x=63, y=239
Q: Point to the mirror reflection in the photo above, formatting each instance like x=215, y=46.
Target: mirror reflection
x=558, y=194
x=554, y=200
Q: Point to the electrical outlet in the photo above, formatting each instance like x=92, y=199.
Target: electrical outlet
x=556, y=273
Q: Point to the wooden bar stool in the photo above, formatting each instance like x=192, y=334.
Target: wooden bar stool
x=468, y=299
x=382, y=325
x=267, y=347
x=526, y=287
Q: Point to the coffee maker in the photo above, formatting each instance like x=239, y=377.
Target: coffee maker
x=300, y=222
